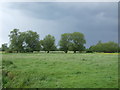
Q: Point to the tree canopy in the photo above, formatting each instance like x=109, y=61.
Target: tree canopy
x=14, y=40
x=77, y=41
x=24, y=41
x=108, y=47
x=72, y=41
x=65, y=42
x=48, y=43
x=4, y=47
x=29, y=41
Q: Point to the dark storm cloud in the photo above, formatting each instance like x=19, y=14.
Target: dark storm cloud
x=60, y=10
x=98, y=21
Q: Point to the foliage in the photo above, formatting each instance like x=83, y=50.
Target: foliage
x=14, y=40
x=108, y=47
x=4, y=47
x=77, y=42
x=24, y=41
x=72, y=41
x=48, y=43
x=31, y=42
x=65, y=42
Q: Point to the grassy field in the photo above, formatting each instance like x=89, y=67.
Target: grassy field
x=97, y=70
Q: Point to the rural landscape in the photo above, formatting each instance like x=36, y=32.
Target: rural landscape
x=60, y=59
x=28, y=62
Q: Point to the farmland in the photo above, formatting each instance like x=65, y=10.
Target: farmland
x=58, y=70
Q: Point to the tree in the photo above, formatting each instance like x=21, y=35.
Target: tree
x=24, y=41
x=48, y=43
x=118, y=47
x=77, y=41
x=4, y=47
x=108, y=47
x=21, y=40
x=65, y=42
x=97, y=48
x=31, y=41
x=14, y=40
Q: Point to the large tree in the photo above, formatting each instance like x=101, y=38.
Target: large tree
x=24, y=41
x=65, y=42
x=14, y=40
x=77, y=41
x=48, y=43
x=31, y=41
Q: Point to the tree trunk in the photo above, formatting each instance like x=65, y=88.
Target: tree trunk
x=74, y=51
x=66, y=51
x=47, y=51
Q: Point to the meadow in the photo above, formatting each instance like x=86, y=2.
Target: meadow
x=58, y=70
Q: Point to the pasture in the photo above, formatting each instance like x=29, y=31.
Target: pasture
x=58, y=70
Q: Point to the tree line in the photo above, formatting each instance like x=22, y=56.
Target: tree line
x=108, y=47
x=29, y=41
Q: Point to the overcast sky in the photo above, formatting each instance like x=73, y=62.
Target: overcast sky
x=97, y=21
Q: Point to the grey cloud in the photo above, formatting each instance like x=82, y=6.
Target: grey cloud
x=98, y=21
x=60, y=10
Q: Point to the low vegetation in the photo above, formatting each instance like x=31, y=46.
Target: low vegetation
x=38, y=70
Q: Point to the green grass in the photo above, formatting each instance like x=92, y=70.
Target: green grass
x=60, y=70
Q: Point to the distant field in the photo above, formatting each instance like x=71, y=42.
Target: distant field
x=93, y=70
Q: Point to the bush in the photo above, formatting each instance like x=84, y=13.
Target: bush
x=108, y=47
